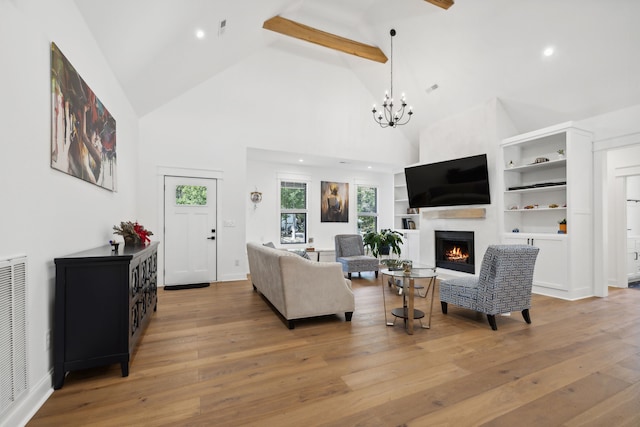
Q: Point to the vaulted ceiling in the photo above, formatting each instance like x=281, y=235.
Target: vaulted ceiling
x=475, y=50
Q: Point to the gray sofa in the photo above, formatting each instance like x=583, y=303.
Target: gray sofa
x=297, y=287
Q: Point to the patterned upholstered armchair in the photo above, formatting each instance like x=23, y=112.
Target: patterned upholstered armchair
x=504, y=284
x=350, y=253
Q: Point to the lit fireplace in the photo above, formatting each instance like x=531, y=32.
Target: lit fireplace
x=455, y=250
x=456, y=254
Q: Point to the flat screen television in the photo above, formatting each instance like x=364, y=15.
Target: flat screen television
x=463, y=181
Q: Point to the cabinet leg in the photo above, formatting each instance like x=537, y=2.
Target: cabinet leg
x=58, y=378
x=124, y=366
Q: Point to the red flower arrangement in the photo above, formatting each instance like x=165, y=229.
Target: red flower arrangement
x=133, y=233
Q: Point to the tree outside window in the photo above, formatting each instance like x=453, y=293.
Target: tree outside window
x=293, y=212
x=367, y=208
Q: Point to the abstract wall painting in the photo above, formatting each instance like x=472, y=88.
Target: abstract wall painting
x=334, y=206
x=83, y=132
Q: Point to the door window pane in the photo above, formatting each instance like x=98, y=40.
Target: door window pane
x=191, y=195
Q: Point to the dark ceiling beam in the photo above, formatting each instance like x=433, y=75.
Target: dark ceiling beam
x=445, y=4
x=313, y=35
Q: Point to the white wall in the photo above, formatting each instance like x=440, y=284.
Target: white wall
x=272, y=100
x=45, y=213
x=263, y=220
x=476, y=131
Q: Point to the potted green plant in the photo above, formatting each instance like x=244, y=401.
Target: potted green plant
x=383, y=242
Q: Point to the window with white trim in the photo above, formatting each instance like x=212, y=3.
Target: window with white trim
x=293, y=212
x=367, y=201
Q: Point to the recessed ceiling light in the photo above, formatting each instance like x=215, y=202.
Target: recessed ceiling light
x=301, y=160
x=200, y=34
x=548, y=51
x=369, y=167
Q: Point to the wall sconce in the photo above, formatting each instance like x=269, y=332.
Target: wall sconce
x=256, y=197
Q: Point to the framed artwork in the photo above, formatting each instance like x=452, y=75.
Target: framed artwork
x=334, y=201
x=83, y=132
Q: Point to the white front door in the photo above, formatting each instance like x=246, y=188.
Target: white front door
x=189, y=230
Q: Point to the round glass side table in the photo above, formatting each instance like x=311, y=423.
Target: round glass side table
x=406, y=281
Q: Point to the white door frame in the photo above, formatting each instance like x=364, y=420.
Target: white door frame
x=607, y=176
x=163, y=171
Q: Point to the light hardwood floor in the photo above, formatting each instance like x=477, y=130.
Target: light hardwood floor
x=219, y=356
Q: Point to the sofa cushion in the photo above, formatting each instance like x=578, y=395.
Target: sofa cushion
x=350, y=246
x=301, y=252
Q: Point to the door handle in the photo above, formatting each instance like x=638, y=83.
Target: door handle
x=211, y=238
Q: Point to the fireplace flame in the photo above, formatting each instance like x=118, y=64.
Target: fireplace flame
x=456, y=255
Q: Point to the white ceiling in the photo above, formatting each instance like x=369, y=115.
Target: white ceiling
x=476, y=50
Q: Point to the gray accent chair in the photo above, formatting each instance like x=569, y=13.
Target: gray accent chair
x=350, y=254
x=504, y=284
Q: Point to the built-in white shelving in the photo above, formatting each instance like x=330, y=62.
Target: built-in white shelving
x=547, y=178
x=411, y=237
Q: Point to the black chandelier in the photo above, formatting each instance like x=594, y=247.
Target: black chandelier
x=386, y=117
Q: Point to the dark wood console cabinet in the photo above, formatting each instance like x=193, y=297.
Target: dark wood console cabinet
x=104, y=301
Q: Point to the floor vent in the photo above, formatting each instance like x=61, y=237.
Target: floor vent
x=13, y=332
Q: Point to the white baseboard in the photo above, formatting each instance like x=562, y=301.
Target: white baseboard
x=27, y=407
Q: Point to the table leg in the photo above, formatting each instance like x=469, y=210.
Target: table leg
x=410, y=305
x=431, y=287
x=384, y=303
